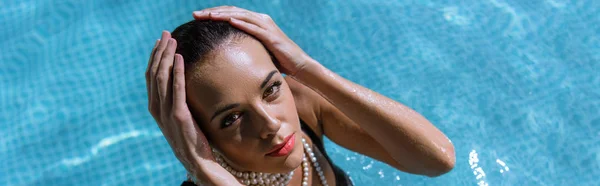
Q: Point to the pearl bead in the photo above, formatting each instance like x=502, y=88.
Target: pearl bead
x=254, y=178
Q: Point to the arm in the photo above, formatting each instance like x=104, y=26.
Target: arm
x=211, y=173
x=409, y=142
x=167, y=105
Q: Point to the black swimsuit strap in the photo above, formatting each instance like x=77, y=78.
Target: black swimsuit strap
x=313, y=137
x=341, y=178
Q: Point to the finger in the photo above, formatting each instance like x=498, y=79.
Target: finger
x=221, y=8
x=164, y=78
x=148, y=68
x=154, y=100
x=164, y=40
x=223, y=14
x=254, y=30
x=151, y=57
x=246, y=16
x=179, y=103
x=181, y=112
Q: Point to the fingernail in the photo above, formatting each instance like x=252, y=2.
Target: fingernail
x=197, y=13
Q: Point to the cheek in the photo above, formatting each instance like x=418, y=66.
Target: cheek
x=288, y=107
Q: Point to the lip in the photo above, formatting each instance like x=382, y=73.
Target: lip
x=284, y=148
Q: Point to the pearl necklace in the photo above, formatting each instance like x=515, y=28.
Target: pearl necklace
x=315, y=163
x=275, y=179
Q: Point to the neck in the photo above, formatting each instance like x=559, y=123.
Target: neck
x=301, y=175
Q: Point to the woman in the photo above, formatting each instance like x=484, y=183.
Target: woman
x=231, y=118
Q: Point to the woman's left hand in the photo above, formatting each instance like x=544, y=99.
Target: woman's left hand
x=291, y=58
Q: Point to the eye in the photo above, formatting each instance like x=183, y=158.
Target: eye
x=230, y=119
x=273, y=89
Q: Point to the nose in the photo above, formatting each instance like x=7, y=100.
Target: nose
x=268, y=123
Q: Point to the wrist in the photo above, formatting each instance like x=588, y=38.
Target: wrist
x=307, y=72
x=211, y=173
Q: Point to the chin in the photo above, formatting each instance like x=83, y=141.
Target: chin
x=294, y=159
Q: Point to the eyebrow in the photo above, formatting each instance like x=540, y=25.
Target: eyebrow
x=226, y=108
x=232, y=106
x=262, y=85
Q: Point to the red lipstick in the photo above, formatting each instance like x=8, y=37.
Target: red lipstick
x=284, y=148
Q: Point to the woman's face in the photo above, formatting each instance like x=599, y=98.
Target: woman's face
x=245, y=108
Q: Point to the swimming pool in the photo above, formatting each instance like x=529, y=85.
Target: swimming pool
x=514, y=84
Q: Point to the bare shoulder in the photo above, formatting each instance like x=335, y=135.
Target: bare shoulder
x=308, y=104
x=325, y=119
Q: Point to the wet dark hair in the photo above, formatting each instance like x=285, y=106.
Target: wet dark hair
x=197, y=38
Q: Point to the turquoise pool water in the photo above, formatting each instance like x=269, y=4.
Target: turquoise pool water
x=513, y=83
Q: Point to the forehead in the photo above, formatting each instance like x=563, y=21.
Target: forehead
x=230, y=73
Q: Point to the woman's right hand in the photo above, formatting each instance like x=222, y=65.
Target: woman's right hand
x=165, y=83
